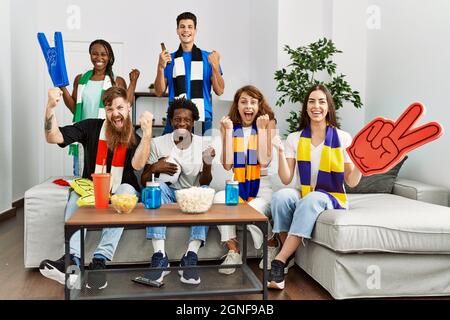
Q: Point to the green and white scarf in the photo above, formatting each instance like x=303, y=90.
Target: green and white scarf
x=77, y=116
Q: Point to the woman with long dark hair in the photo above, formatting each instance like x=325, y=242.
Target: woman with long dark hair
x=318, y=151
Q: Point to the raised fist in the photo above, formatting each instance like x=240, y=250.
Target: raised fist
x=226, y=123
x=146, y=122
x=382, y=143
x=134, y=75
x=277, y=143
x=208, y=155
x=214, y=58
x=54, y=95
x=262, y=122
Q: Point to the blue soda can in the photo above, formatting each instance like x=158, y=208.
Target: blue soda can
x=151, y=195
x=232, y=193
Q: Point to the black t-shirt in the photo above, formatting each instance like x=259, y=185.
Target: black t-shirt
x=87, y=133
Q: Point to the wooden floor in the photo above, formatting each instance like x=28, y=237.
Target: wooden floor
x=20, y=283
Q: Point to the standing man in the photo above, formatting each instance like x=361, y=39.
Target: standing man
x=113, y=142
x=190, y=72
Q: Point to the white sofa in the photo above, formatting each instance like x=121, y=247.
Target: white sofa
x=386, y=245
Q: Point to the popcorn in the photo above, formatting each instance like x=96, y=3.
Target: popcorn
x=195, y=199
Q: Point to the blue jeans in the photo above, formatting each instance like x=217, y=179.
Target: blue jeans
x=76, y=169
x=206, y=127
x=168, y=196
x=297, y=216
x=110, y=236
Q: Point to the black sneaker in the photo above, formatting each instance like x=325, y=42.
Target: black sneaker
x=276, y=276
x=55, y=270
x=158, y=261
x=96, y=278
x=189, y=276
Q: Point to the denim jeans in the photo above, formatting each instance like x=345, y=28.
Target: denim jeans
x=295, y=215
x=76, y=169
x=110, y=236
x=168, y=196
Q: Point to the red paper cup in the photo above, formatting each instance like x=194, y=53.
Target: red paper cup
x=101, y=189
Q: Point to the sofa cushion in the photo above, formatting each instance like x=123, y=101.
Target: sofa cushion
x=385, y=223
x=377, y=183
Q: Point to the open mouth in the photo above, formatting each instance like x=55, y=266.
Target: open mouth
x=118, y=122
x=248, y=116
x=99, y=64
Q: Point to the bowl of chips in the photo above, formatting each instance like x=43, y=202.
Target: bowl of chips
x=124, y=203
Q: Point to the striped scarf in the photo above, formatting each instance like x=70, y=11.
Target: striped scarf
x=196, y=80
x=330, y=179
x=78, y=115
x=118, y=160
x=247, y=171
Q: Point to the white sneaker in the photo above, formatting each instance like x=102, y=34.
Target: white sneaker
x=272, y=252
x=232, y=257
x=289, y=264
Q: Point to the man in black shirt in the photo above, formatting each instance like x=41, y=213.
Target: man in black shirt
x=102, y=141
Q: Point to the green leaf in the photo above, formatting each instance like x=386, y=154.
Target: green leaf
x=295, y=80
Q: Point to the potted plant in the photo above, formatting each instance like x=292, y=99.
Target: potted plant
x=151, y=88
x=307, y=63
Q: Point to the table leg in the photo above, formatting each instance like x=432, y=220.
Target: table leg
x=265, y=229
x=244, y=244
x=67, y=263
x=82, y=251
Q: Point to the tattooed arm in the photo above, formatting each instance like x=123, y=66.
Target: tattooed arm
x=52, y=133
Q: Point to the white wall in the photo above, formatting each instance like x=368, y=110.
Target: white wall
x=349, y=33
x=408, y=60
x=27, y=110
x=5, y=103
x=264, y=49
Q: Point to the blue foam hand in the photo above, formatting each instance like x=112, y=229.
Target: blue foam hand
x=54, y=57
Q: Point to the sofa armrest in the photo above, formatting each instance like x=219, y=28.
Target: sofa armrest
x=44, y=208
x=421, y=191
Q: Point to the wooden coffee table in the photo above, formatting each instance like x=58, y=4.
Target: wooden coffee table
x=120, y=286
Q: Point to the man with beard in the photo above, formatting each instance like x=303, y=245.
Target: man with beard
x=194, y=160
x=113, y=142
x=190, y=72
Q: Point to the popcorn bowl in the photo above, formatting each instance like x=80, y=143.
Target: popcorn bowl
x=195, y=199
x=124, y=203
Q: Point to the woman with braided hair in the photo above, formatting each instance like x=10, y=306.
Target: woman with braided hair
x=85, y=102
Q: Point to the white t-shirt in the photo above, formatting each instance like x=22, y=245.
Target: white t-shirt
x=190, y=159
x=316, y=152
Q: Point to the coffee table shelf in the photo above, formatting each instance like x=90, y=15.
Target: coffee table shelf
x=120, y=286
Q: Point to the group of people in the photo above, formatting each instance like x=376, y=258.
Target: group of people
x=101, y=104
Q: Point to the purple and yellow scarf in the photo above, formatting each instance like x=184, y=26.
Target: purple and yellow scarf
x=330, y=179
